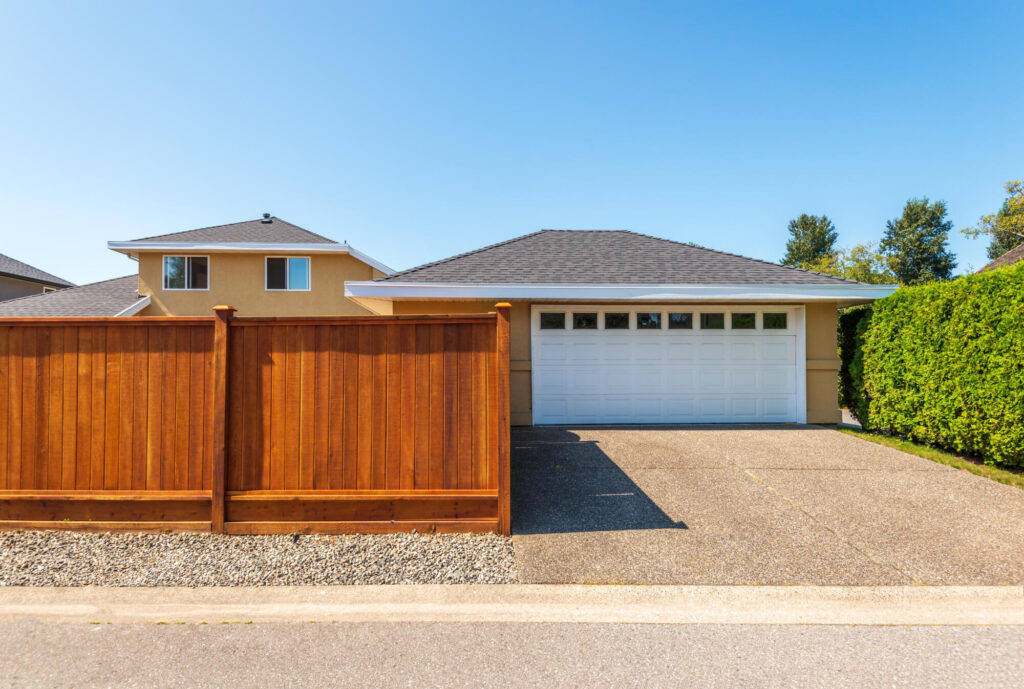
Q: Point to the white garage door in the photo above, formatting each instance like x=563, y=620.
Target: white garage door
x=662, y=364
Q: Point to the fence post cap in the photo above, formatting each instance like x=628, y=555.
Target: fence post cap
x=223, y=307
x=503, y=305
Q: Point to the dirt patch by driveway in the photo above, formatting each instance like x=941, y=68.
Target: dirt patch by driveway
x=753, y=505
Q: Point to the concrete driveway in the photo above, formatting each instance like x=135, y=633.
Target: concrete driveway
x=753, y=505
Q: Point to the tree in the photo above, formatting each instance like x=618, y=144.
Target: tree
x=811, y=238
x=861, y=262
x=1006, y=228
x=915, y=243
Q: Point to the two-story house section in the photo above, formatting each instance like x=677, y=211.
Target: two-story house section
x=263, y=267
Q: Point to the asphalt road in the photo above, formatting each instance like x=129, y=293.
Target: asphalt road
x=34, y=654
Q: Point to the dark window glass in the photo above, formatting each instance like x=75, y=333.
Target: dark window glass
x=174, y=272
x=712, y=321
x=552, y=321
x=774, y=321
x=198, y=272
x=277, y=273
x=680, y=321
x=648, y=321
x=744, y=321
x=584, y=321
x=616, y=321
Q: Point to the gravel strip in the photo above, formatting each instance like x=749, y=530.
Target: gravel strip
x=58, y=558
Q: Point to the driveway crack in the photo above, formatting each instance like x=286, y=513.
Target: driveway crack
x=829, y=528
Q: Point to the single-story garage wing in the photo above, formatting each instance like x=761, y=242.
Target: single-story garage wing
x=611, y=326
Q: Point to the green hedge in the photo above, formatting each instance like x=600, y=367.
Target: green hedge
x=942, y=364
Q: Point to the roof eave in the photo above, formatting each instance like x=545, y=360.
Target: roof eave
x=846, y=294
x=134, y=248
x=40, y=281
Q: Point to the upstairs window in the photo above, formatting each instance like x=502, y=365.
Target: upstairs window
x=186, y=272
x=287, y=273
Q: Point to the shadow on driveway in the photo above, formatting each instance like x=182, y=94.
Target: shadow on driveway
x=564, y=484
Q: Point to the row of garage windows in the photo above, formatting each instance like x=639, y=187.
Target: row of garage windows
x=654, y=321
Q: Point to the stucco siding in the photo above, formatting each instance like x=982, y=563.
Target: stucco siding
x=12, y=288
x=822, y=361
x=238, y=280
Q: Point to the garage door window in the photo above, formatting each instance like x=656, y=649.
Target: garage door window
x=712, y=321
x=744, y=321
x=648, y=321
x=584, y=321
x=616, y=321
x=680, y=321
x=552, y=321
x=774, y=321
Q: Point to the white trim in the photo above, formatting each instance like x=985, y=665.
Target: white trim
x=801, y=366
x=796, y=326
x=597, y=292
x=163, y=274
x=287, y=274
x=140, y=303
x=252, y=247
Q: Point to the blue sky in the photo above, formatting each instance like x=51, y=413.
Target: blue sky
x=416, y=130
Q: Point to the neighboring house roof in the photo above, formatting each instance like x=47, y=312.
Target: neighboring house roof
x=268, y=234
x=1008, y=259
x=268, y=230
x=14, y=268
x=605, y=257
x=107, y=298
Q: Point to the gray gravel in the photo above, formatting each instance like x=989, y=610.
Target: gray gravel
x=56, y=558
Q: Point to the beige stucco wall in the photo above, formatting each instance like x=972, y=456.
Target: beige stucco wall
x=237, y=279
x=12, y=288
x=822, y=361
x=822, y=364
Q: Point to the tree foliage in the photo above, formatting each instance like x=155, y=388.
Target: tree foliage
x=1006, y=228
x=861, y=262
x=811, y=238
x=915, y=244
x=942, y=364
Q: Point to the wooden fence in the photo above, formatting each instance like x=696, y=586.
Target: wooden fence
x=256, y=425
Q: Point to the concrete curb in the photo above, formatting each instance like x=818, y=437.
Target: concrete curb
x=885, y=605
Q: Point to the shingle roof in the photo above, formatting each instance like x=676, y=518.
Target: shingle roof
x=16, y=269
x=605, y=257
x=276, y=231
x=107, y=298
x=1009, y=258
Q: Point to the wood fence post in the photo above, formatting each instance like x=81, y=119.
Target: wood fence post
x=502, y=364
x=220, y=412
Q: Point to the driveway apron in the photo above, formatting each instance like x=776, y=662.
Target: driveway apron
x=752, y=505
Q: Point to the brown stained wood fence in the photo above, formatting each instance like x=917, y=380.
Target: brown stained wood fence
x=256, y=425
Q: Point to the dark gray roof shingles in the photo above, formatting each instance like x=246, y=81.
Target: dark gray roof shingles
x=12, y=267
x=276, y=231
x=106, y=298
x=1008, y=259
x=605, y=257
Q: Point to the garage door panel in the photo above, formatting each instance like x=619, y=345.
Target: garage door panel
x=664, y=376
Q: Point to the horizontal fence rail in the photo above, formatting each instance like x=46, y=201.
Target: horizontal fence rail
x=255, y=425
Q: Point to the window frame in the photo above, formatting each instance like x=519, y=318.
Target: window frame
x=287, y=273
x=188, y=270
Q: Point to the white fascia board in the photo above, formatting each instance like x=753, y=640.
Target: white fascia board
x=776, y=293
x=132, y=248
x=140, y=303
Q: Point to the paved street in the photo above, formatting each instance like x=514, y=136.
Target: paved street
x=778, y=505
x=33, y=654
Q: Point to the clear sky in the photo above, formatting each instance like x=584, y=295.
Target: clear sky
x=416, y=130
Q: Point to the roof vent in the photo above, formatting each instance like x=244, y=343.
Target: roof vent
x=266, y=218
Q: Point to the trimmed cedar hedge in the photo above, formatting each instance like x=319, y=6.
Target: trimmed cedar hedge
x=942, y=364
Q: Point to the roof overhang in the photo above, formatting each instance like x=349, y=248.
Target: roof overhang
x=844, y=294
x=133, y=249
